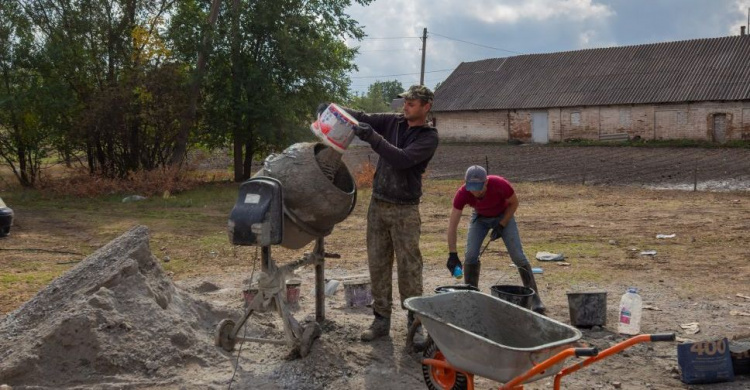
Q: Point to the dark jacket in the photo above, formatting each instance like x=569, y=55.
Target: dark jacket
x=404, y=154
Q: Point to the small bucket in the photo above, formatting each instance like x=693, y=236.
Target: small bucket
x=587, y=309
x=292, y=291
x=249, y=294
x=357, y=293
x=455, y=287
x=517, y=295
x=335, y=127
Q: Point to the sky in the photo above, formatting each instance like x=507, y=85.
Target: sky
x=470, y=30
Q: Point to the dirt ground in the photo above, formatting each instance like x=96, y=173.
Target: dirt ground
x=700, y=275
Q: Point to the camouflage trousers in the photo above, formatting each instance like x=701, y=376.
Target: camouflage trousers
x=393, y=229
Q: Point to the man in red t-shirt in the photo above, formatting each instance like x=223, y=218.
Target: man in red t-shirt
x=494, y=202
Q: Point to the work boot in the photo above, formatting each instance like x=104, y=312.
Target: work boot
x=471, y=274
x=527, y=276
x=418, y=341
x=380, y=327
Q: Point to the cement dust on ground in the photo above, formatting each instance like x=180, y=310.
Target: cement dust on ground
x=137, y=321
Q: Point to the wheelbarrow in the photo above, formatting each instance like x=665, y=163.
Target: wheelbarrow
x=473, y=333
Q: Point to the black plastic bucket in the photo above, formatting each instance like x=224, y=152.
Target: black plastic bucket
x=517, y=295
x=455, y=287
x=587, y=309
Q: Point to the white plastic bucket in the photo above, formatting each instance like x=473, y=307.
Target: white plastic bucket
x=335, y=127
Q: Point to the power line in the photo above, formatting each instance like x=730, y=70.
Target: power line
x=370, y=51
x=475, y=44
x=373, y=38
x=401, y=74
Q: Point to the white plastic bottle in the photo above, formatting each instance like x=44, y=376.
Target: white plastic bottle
x=631, y=306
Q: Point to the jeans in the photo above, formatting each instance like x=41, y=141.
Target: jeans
x=478, y=229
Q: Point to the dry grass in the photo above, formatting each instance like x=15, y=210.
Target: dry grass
x=81, y=184
x=364, y=175
x=599, y=229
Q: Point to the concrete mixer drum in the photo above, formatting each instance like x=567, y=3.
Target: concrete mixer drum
x=315, y=197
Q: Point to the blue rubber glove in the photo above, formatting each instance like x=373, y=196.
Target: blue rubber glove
x=454, y=265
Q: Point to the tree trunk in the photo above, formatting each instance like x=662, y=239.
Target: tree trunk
x=247, y=167
x=239, y=173
x=188, y=118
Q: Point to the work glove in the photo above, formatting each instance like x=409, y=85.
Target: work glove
x=321, y=107
x=453, y=262
x=497, y=232
x=364, y=131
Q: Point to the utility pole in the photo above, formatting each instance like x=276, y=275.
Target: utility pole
x=424, y=47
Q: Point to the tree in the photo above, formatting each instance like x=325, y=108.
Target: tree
x=372, y=101
x=379, y=96
x=112, y=57
x=23, y=132
x=389, y=90
x=270, y=63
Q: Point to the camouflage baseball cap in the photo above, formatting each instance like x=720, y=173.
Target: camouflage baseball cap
x=418, y=92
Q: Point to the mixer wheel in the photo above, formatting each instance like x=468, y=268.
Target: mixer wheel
x=437, y=378
x=223, y=336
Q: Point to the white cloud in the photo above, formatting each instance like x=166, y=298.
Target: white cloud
x=490, y=11
x=470, y=30
x=742, y=7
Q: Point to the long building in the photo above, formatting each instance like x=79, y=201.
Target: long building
x=697, y=89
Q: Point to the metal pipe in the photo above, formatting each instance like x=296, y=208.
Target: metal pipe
x=320, y=283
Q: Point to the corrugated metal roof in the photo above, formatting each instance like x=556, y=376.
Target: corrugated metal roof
x=669, y=72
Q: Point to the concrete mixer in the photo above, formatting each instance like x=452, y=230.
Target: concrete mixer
x=298, y=196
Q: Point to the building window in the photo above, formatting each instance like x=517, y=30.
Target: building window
x=625, y=117
x=682, y=118
x=575, y=118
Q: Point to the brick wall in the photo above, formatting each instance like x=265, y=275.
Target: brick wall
x=472, y=126
x=664, y=121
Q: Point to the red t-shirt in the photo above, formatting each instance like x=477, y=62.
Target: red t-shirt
x=494, y=202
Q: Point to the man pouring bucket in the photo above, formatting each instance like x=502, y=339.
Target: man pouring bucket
x=494, y=202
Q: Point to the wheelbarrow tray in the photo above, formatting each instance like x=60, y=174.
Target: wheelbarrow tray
x=486, y=336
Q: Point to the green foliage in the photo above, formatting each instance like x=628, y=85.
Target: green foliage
x=109, y=83
x=378, y=97
x=269, y=65
x=388, y=90
x=25, y=125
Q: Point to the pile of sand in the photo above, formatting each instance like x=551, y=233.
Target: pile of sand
x=115, y=318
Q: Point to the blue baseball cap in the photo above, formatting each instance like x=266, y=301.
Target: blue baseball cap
x=475, y=178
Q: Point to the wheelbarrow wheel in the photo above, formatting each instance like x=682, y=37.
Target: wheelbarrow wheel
x=437, y=378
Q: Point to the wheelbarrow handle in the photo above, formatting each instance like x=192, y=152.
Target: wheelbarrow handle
x=663, y=337
x=586, y=352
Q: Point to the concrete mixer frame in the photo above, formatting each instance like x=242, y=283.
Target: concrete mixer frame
x=271, y=286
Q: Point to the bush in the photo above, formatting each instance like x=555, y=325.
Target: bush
x=157, y=182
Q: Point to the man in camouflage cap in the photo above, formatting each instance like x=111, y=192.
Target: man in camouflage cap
x=418, y=92
x=405, y=143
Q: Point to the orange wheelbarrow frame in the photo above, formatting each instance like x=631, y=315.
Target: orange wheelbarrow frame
x=443, y=368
